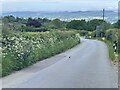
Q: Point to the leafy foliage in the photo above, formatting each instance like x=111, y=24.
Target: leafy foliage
x=24, y=49
x=56, y=24
x=117, y=24
x=77, y=24
x=88, y=26
x=33, y=22
x=25, y=40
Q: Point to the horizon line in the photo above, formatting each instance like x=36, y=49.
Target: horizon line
x=57, y=11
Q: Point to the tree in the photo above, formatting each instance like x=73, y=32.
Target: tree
x=77, y=24
x=9, y=19
x=117, y=24
x=33, y=22
x=56, y=24
x=92, y=24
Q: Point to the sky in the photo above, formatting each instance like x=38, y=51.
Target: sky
x=58, y=5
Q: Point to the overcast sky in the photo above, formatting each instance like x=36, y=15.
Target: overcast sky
x=58, y=5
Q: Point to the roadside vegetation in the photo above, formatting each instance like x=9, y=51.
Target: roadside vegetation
x=110, y=47
x=111, y=39
x=119, y=46
x=27, y=41
x=24, y=48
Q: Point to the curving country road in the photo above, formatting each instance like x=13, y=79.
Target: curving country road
x=87, y=67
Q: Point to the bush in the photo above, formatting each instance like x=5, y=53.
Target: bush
x=33, y=22
x=32, y=29
x=24, y=49
x=77, y=24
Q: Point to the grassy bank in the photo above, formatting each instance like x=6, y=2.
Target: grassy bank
x=119, y=47
x=110, y=47
x=24, y=49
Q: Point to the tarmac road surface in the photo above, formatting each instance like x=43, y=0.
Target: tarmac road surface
x=84, y=66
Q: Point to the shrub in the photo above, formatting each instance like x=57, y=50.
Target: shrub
x=24, y=49
x=33, y=22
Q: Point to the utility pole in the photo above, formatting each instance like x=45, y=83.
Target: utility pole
x=103, y=14
x=103, y=23
x=100, y=28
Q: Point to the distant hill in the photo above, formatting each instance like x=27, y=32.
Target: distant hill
x=110, y=16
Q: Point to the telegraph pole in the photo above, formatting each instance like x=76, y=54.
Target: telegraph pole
x=103, y=22
x=103, y=14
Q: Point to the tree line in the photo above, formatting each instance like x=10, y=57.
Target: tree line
x=39, y=24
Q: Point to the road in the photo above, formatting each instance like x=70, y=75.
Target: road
x=89, y=66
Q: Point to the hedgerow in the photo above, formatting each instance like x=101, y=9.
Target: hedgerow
x=24, y=49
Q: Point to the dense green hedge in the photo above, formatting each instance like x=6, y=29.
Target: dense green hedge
x=24, y=49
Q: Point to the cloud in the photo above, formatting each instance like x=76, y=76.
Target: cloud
x=58, y=0
x=58, y=5
x=32, y=0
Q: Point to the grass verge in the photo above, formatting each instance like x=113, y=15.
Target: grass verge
x=110, y=47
